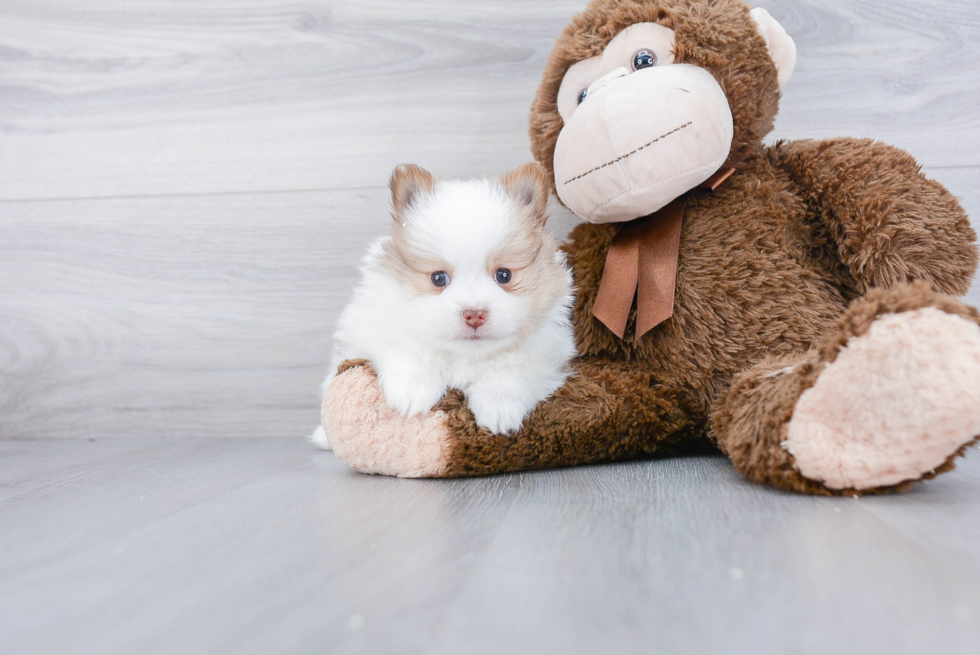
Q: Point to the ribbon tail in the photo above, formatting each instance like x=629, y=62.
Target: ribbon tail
x=642, y=263
x=619, y=277
x=659, y=251
x=717, y=179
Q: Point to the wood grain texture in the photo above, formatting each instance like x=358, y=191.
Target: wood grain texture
x=191, y=316
x=904, y=72
x=154, y=97
x=271, y=546
x=181, y=97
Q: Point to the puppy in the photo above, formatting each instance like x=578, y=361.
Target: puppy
x=468, y=292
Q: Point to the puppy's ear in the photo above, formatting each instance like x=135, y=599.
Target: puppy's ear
x=407, y=183
x=528, y=186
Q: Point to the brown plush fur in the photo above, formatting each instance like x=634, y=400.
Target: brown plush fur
x=769, y=264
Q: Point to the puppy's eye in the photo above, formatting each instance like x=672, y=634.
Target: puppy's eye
x=582, y=95
x=440, y=278
x=644, y=59
x=502, y=276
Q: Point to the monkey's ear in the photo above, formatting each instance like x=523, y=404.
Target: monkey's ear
x=782, y=48
x=528, y=186
x=407, y=183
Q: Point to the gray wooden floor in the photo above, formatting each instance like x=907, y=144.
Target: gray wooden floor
x=265, y=546
x=185, y=190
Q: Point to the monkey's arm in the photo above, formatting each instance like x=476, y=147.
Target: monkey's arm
x=606, y=411
x=890, y=223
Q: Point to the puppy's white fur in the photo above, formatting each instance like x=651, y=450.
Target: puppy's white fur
x=414, y=333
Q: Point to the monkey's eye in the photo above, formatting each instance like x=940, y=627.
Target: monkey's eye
x=582, y=95
x=502, y=276
x=644, y=59
x=440, y=278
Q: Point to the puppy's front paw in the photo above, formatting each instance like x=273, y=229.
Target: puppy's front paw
x=411, y=394
x=499, y=414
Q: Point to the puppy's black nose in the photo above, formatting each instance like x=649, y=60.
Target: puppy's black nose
x=475, y=317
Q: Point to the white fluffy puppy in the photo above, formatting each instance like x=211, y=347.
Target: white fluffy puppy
x=469, y=291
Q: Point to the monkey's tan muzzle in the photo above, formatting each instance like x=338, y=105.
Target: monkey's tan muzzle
x=639, y=141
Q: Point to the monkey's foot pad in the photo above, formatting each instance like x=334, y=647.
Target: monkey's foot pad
x=897, y=403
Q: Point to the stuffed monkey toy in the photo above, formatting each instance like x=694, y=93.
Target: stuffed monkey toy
x=791, y=305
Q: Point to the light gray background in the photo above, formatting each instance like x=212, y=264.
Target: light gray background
x=185, y=190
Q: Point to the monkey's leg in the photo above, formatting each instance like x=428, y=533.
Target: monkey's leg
x=605, y=411
x=890, y=398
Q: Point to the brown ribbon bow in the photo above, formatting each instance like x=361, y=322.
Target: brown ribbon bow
x=642, y=262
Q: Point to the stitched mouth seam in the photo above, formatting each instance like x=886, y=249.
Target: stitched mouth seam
x=631, y=152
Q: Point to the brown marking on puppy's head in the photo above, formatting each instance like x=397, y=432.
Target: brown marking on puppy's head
x=528, y=186
x=407, y=183
x=531, y=254
x=528, y=253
